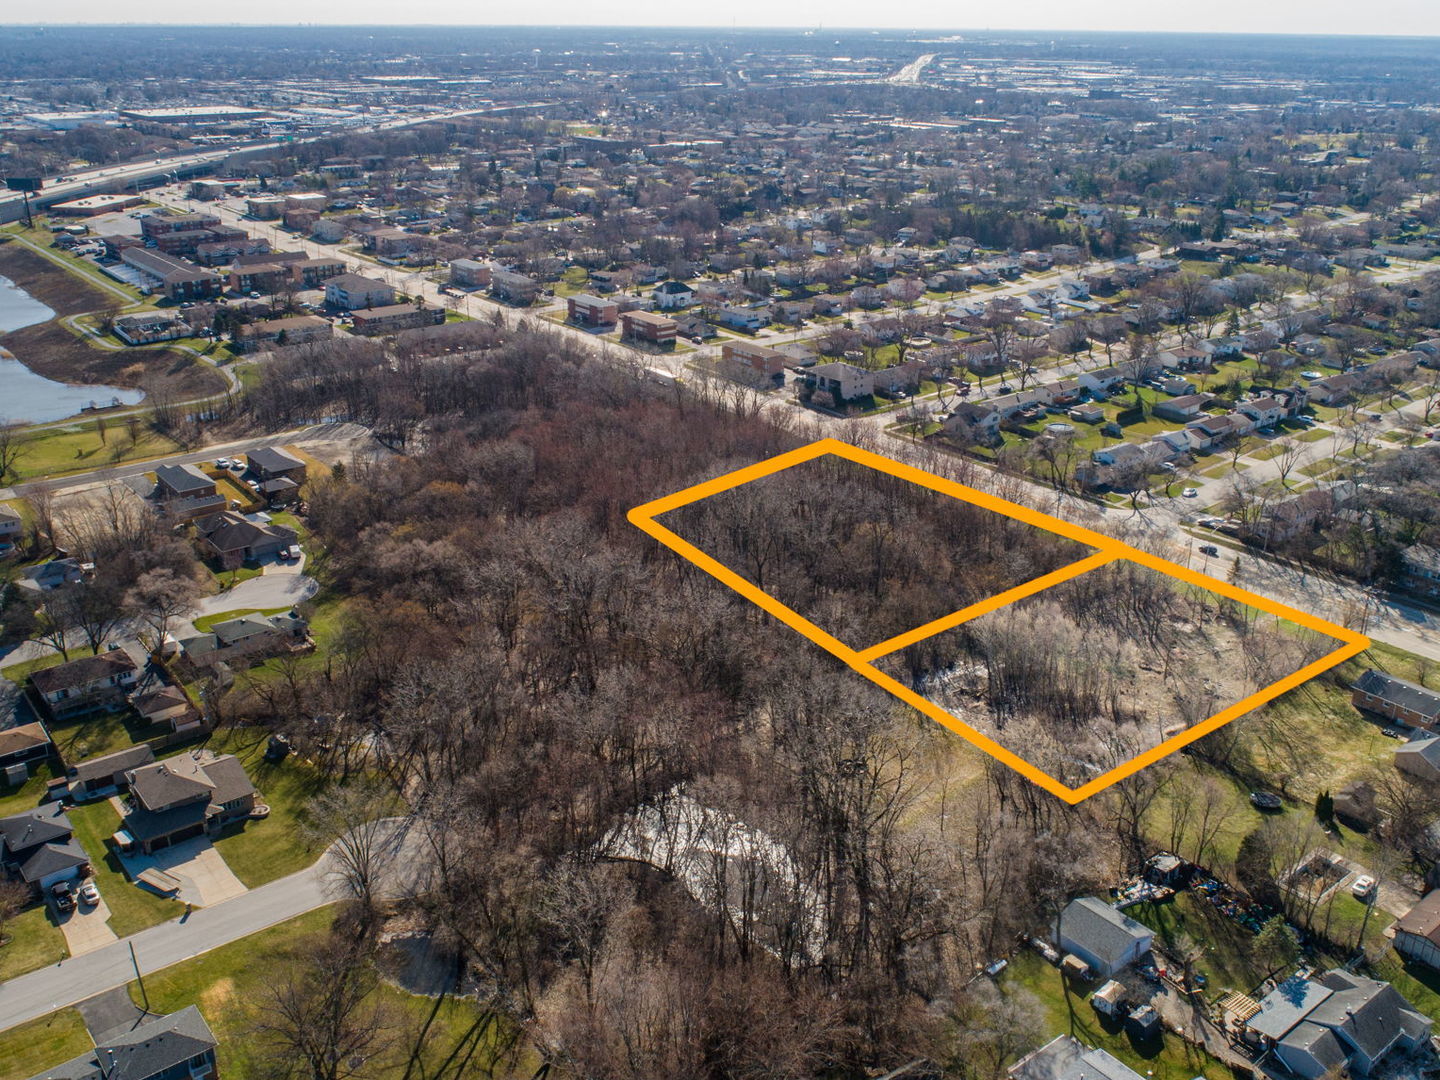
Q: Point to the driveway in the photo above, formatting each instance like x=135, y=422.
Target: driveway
x=204, y=878
x=86, y=929
x=264, y=593
x=28, y=997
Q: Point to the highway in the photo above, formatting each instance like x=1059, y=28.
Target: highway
x=117, y=178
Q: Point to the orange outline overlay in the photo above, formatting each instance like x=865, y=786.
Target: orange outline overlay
x=1108, y=549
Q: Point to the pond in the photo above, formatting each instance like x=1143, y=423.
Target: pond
x=34, y=399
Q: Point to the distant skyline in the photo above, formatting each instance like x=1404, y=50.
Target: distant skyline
x=1346, y=17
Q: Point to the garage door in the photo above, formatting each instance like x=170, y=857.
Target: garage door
x=175, y=837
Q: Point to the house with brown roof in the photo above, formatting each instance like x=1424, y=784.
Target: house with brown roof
x=193, y=794
x=22, y=746
x=1417, y=935
x=234, y=539
x=87, y=684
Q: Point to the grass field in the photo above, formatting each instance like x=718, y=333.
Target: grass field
x=80, y=448
x=35, y=942
x=261, y=851
x=31, y=1048
x=229, y=986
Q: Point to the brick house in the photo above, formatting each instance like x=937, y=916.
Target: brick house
x=1396, y=699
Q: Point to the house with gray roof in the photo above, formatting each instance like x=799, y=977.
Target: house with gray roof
x=1396, y=699
x=179, y=1046
x=1106, y=939
x=192, y=794
x=1339, y=1020
x=1417, y=934
x=1067, y=1058
x=38, y=848
x=104, y=776
x=1420, y=758
x=184, y=492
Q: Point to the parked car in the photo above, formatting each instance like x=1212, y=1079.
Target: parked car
x=1266, y=800
x=1363, y=887
x=1209, y=549
x=253, y=485
x=89, y=894
x=293, y=551
x=1167, y=466
x=64, y=896
x=1190, y=493
x=222, y=463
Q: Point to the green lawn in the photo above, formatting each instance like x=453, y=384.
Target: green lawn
x=228, y=985
x=228, y=579
x=131, y=908
x=35, y=942
x=31, y=1048
x=1229, y=962
x=18, y=673
x=261, y=851
x=26, y=796
x=79, y=448
x=1068, y=1012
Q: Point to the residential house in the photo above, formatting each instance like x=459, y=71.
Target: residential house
x=513, y=288
x=1420, y=570
x=234, y=539
x=1265, y=411
x=1182, y=409
x=1215, y=431
x=1339, y=1021
x=87, y=684
x=54, y=574
x=247, y=636
x=1101, y=380
x=648, y=327
x=169, y=706
x=1128, y=455
x=101, y=777
x=469, y=273
x=193, y=794
x=1106, y=939
x=38, y=848
x=20, y=747
x=179, y=1046
x=1087, y=414
x=1335, y=389
x=392, y=318
x=184, y=492
x=1396, y=699
x=1066, y=1058
x=753, y=364
x=295, y=330
x=351, y=292
x=590, y=310
x=1309, y=511
x=832, y=385
x=146, y=327
x=672, y=295
x=274, y=463
x=12, y=527
x=1417, y=934
x=737, y=318
x=973, y=424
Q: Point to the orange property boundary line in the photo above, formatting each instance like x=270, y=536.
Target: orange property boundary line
x=1107, y=548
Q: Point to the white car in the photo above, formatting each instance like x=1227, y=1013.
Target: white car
x=89, y=894
x=1190, y=493
x=222, y=463
x=1312, y=374
x=1363, y=887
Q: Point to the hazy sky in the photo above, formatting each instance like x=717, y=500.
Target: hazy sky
x=1253, y=16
